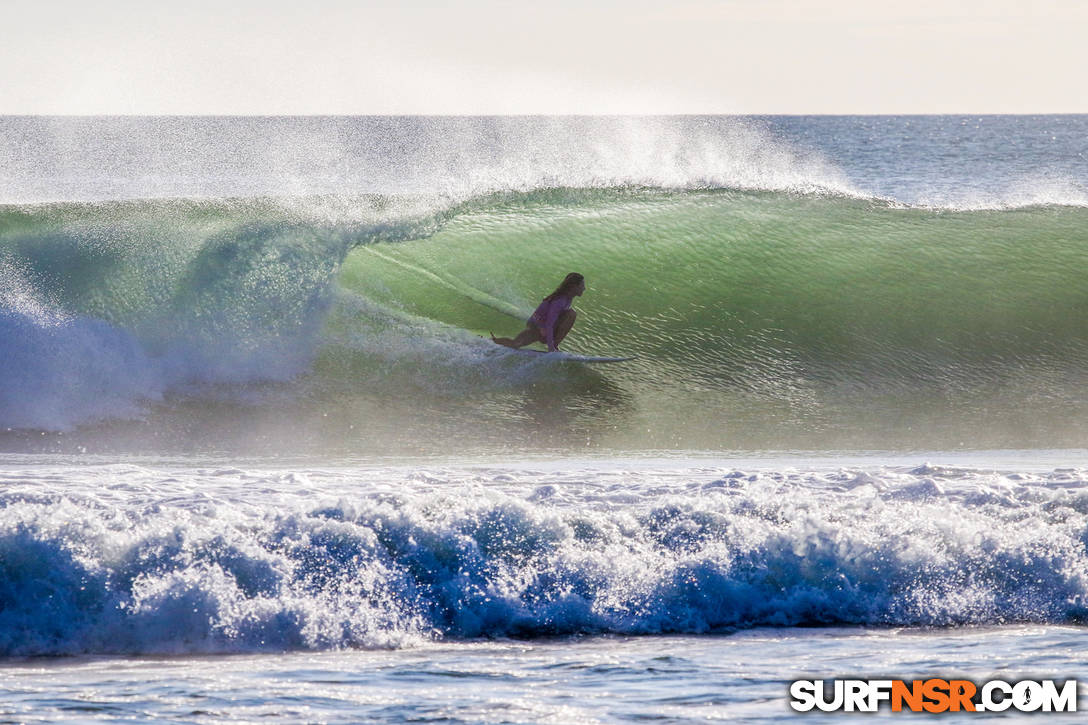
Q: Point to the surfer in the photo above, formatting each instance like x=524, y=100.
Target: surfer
x=553, y=317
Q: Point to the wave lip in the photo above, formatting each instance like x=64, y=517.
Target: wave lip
x=194, y=573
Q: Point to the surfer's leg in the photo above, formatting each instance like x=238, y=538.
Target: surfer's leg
x=563, y=325
x=529, y=335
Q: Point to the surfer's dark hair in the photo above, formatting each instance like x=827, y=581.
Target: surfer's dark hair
x=569, y=282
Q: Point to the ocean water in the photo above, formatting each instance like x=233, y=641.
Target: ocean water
x=258, y=460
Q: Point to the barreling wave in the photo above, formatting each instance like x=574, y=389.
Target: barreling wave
x=732, y=299
x=146, y=565
x=833, y=287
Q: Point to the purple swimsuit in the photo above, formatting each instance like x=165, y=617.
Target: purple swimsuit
x=546, y=315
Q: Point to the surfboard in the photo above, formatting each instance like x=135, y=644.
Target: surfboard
x=561, y=356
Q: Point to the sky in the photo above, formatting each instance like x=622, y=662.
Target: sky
x=559, y=57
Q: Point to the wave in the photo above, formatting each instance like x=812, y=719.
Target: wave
x=849, y=282
x=107, y=306
x=147, y=568
x=807, y=307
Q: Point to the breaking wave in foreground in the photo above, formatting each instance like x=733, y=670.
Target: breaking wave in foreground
x=229, y=560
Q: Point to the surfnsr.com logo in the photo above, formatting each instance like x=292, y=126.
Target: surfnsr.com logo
x=934, y=695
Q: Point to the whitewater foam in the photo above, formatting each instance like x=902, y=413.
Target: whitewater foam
x=142, y=559
x=1031, y=190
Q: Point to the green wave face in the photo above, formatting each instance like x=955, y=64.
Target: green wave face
x=760, y=319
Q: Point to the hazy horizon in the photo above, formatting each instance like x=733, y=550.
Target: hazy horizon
x=732, y=57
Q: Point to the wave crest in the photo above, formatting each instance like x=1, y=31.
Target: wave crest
x=191, y=573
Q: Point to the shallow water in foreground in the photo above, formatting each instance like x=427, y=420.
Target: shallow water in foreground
x=744, y=675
